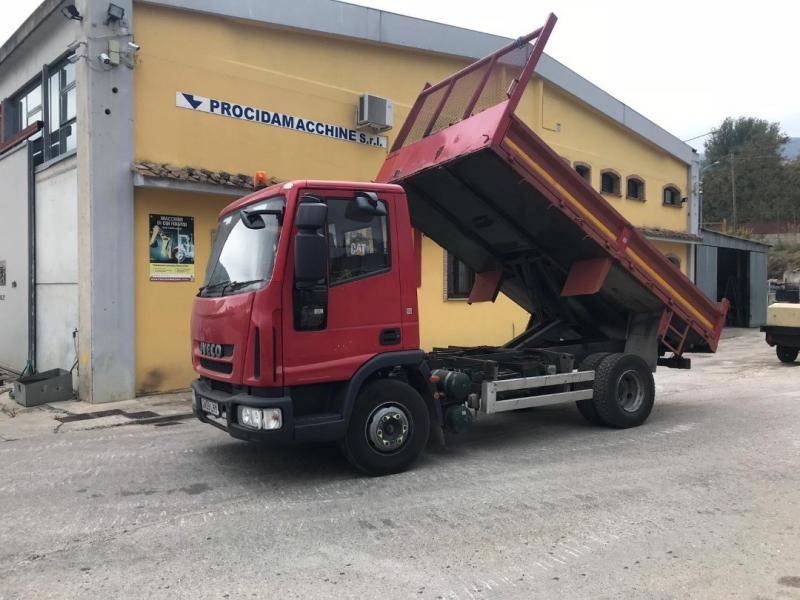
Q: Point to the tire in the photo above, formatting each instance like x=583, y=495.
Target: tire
x=375, y=442
x=586, y=407
x=786, y=354
x=624, y=390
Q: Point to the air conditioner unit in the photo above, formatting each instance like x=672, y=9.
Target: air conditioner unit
x=374, y=113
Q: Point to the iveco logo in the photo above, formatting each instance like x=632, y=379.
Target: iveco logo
x=212, y=350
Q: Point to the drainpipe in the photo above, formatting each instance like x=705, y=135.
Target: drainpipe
x=30, y=367
x=694, y=213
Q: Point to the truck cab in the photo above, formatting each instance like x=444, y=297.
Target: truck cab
x=309, y=293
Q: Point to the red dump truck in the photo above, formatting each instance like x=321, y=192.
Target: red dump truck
x=307, y=327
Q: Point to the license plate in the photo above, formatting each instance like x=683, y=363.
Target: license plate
x=209, y=406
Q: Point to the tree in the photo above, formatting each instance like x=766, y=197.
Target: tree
x=746, y=151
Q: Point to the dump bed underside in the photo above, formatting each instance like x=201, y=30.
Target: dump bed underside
x=493, y=194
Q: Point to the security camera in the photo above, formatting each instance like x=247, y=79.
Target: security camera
x=104, y=58
x=134, y=46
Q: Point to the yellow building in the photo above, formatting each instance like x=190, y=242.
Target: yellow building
x=190, y=111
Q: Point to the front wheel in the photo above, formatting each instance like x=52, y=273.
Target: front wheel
x=624, y=390
x=786, y=354
x=388, y=428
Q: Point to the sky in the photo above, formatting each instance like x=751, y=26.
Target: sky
x=684, y=64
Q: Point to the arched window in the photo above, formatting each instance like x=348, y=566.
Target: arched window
x=609, y=182
x=584, y=171
x=672, y=196
x=674, y=260
x=635, y=188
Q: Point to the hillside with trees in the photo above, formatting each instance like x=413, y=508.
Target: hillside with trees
x=746, y=179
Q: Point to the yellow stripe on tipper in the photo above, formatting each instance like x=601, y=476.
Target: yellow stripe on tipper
x=638, y=259
x=602, y=227
x=572, y=200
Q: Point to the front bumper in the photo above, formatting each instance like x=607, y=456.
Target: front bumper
x=227, y=421
x=782, y=336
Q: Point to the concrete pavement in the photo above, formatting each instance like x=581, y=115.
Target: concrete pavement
x=703, y=501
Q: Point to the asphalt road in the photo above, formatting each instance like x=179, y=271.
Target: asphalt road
x=702, y=501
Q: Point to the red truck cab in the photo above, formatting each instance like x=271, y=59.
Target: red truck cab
x=310, y=290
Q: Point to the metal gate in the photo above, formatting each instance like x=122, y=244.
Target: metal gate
x=14, y=259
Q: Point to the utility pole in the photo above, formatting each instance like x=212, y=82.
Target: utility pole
x=733, y=193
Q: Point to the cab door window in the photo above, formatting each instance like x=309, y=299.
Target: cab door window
x=358, y=242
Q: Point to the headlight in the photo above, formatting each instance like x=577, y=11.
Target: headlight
x=250, y=417
x=272, y=418
x=257, y=418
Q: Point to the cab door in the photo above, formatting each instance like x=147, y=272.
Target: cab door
x=333, y=329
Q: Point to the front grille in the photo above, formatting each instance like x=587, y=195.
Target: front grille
x=219, y=386
x=216, y=365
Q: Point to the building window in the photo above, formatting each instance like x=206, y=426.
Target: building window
x=52, y=100
x=584, y=171
x=672, y=196
x=459, y=279
x=609, y=182
x=674, y=260
x=635, y=188
x=358, y=244
x=29, y=108
x=63, y=108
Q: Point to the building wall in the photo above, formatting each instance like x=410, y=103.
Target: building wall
x=320, y=77
x=56, y=264
x=673, y=249
x=454, y=322
x=14, y=252
x=586, y=136
x=45, y=44
x=163, y=308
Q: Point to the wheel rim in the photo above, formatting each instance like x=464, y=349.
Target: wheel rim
x=388, y=428
x=630, y=391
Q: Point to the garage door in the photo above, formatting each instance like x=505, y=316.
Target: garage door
x=14, y=271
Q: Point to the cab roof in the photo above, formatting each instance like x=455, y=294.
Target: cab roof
x=309, y=184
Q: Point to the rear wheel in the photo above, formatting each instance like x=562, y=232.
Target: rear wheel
x=388, y=428
x=786, y=354
x=624, y=390
x=586, y=407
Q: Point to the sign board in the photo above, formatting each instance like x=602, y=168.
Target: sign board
x=171, y=248
x=264, y=116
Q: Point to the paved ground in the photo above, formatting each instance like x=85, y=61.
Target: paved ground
x=703, y=501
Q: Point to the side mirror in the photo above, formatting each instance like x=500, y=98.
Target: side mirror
x=311, y=215
x=310, y=244
x=367, y=203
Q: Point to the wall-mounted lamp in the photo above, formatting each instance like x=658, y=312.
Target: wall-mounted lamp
x=114, y=14
x=70, y=12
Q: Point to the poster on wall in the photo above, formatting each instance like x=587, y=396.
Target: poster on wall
x=171, y=248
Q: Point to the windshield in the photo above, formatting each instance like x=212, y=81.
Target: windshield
x=242, y=259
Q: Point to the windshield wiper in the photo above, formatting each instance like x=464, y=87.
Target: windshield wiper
x=214, y=286
x=237, y=285
x=225, y=286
